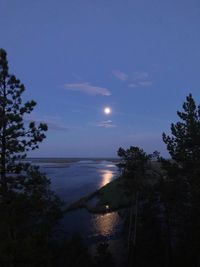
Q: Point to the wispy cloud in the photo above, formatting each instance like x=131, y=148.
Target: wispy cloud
x=106, y=124
x=140, y=75
x=140, y=84
x=87, y=88
x=133, y=85
x=140, y=79
x=120, y=75
x=134, y=80
x=52, y=122
x=145, y=83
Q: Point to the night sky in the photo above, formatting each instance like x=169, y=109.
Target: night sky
x=140, y=58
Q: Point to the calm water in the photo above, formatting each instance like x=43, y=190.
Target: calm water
x=73, y=180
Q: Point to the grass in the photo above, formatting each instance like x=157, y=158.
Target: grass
x=112, y=196
x=109, y=198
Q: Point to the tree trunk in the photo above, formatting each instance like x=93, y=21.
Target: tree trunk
x=4, y=185
x=133, y=232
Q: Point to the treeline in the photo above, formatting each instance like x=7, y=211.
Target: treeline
x=164, y=219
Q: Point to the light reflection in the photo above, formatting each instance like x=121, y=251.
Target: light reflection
x=107, y=177
x=105, y=224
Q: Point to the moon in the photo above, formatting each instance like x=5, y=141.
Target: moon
x=107, y=110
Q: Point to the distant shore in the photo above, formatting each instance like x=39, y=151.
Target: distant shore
x=68, y=159
x=66, y=162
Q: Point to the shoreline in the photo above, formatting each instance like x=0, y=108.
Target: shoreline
x=109, y=198
x=112, y=196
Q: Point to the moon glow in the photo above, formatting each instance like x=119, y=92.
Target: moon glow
x=107, y=110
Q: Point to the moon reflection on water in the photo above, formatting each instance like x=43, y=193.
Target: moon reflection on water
x=105, y=224
x=107, y=177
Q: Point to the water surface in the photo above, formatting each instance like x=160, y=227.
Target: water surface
x=72, y=180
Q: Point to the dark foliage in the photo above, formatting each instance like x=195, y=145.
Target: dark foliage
x=145, y=240
x=180, y=191
x=133, y=164
x=28, y=208
x=103, y=257
x=165, y=220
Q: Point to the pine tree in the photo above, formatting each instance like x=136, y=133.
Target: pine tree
x=184, y=144
x=181, y=188
x=133, y=164
x=28, y=207
x=137, y=174
x=15, y=138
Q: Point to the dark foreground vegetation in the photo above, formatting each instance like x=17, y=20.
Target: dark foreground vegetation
x=29, y=210
x=162, y=222
x=164, y=228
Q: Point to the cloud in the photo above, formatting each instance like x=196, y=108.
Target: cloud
x=137, y=79
x=106, y=124
x=140, y=79
x=87, y=88
x=133, y=85
x=140, y=75
x=57, y=126
x=53, y=123
x=145, y=83
x=120, y=75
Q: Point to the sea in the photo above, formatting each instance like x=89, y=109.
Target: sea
x=72, y=179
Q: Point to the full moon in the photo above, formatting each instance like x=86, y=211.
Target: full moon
x=107, y=110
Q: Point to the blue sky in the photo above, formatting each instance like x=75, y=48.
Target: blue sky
x=139, y=57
